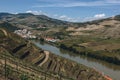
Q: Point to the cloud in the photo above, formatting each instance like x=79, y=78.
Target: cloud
x=113, y=1
x=95, y=17
x=56, y=16
x=99, y=15
x=63, y=17
x=66, y=18
x=36, y=12
x=75, y=3
x=72, y=4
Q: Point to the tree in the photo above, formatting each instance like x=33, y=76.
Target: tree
x=42, y=39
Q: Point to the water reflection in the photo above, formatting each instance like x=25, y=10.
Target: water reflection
x=108, y=65
x=104, y=67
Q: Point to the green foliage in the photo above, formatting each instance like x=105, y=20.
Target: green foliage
x=8, y=26
x=42, y=39
x=8, y=71
x=102, y=55
x=117, y=17
x=107, y=26
x=42, y=29
x=1, y=34
x=24, y=77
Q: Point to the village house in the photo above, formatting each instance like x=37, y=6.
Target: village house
x=25, y=34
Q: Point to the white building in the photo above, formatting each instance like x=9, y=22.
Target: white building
x=25, y=33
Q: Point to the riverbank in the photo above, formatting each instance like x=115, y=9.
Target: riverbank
x=102, y=55
x=103, y=67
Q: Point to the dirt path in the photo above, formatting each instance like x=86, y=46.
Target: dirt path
x=5, y=33
x=46, y=57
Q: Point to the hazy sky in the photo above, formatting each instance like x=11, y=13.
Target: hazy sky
x=70, y=10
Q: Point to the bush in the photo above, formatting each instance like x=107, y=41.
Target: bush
x=23, y=77
x=42, y=39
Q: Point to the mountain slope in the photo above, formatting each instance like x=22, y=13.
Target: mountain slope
x=36, y=63
x=108, y=27
x=8, y=26
x=30, y=20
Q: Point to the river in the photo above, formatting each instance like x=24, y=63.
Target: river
x=106, y=68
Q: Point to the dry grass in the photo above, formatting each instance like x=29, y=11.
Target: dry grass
x=100, y=46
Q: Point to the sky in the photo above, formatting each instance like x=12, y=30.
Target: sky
x=68, y=10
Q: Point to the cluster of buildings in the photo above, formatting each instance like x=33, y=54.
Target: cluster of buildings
x=28, y=35
x=51, y=39
x=25, y=34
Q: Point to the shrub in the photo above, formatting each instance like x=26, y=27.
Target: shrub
x=23, y=77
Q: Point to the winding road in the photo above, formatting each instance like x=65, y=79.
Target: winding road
x=4, y=31
x=46, y=58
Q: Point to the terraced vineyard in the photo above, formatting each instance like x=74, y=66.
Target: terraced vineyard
x=22, y=59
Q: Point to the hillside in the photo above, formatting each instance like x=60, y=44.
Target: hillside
x=41, y=24
x=23, y=60
x=94, y=36
x=8, y=26
x=30, y=20
x=108, y=27
x=98, y=39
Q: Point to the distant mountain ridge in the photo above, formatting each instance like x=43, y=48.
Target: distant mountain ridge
x=31, y=20
x=108, y=27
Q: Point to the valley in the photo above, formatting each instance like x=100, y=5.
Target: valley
x=97, y=41
x=30, y=62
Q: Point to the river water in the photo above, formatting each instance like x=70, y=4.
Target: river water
x=106, y=68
